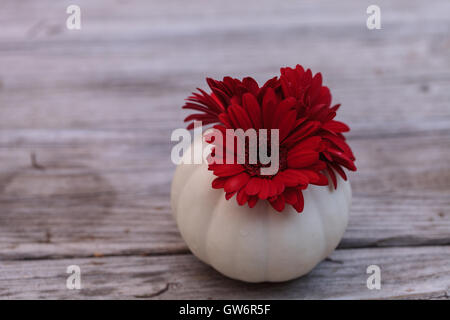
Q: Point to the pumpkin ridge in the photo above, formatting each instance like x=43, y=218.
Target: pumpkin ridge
x=268, y=276
x=319, y=209
x=213, y=216
x=184, y=182
x=343, y=202
x=266, y=243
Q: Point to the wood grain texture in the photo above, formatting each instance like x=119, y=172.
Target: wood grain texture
x=406, y=272
x=86, y=117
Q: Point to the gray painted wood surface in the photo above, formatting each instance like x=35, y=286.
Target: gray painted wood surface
x=86, y=117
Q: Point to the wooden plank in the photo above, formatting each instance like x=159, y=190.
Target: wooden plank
x=166, y=19
x=121, y=108
x=97, y=107
x=114, y=161
x=100, y=192
x=405, y=273
x=107, y=66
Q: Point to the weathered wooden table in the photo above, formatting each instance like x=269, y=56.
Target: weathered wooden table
x=86, y=117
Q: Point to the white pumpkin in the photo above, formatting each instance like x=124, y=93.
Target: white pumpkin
x=257, y=244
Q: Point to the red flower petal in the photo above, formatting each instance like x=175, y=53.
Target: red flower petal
x=225, y=119
x=251, y=85
x=342, y=159
x=332, y=176
x=290, y=195
x=236, y=182
x=300, y=202
x=269, y=107
x=229, y=195
x=240, y=117
x=253, y=108
x=316, y=86
x=242, y=197
x=279, y=184
x=335, y=126
x=286, y=125
x=219, y=183
x=264, y=191
x=253, y=186
x=282, y=111
x=341, y=144
x=272, y=188
x=312, y=143
x=304, y=131
x=279, y=203
x=339, y=170
x=302, y=159
x=321, y=180
x=252, y=201
x=287, y=179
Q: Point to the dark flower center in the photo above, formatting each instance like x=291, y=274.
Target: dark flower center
x=255, y=169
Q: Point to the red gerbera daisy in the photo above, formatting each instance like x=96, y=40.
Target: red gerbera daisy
x=224, y=93
x=310, y=141
x=313, y=101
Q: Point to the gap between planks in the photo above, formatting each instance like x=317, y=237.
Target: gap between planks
x=405, y=272
x=185, y=251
